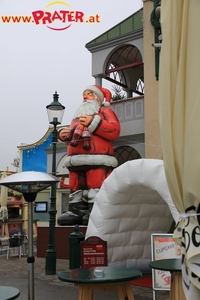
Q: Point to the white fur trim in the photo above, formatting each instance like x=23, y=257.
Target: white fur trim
x=97, y=91
x=95, y=122
x=106, y=104
x=90, y=160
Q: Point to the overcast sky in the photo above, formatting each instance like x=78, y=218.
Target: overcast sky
x=35, y=61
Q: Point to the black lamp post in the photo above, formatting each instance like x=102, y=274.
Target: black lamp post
x=29, y=183
x=55, y=112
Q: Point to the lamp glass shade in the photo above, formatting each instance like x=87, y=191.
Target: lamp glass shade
x=52, y=114
x=55, y=110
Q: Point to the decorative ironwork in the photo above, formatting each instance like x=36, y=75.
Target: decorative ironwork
x=140, y=86
x=126, y=153
x=157, y=34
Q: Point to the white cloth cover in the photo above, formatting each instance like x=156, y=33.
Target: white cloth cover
x=133, y=202
x=179, y=107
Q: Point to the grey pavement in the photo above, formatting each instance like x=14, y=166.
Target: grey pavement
x=14, y=272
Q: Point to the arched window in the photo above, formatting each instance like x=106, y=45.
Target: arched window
x=126, y=153
x=125, y=68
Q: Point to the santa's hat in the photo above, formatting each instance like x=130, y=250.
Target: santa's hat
x=101, y=93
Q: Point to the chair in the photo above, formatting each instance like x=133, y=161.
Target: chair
x=35, y=242
x=4, y=243
x=25, y=244
x=15, y=243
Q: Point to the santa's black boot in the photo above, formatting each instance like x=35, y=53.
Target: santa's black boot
x=77, y=209
x=89, y=196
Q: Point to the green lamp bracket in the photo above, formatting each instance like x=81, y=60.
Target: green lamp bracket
x=155, y=21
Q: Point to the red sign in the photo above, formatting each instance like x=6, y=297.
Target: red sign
x=93, y=252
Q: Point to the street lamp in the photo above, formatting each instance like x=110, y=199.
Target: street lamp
x=55, y=112
x=29, y=184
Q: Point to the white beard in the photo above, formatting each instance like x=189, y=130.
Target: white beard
x=89, y=107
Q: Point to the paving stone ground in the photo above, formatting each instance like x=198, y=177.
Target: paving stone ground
x=14, y=272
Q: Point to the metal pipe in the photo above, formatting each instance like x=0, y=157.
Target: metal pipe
x=30, y=258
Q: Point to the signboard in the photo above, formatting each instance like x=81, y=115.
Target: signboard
x=93, y=252
x=163, y=247
x=40, y=207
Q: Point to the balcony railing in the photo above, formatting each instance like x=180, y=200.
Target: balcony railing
x=130, y=113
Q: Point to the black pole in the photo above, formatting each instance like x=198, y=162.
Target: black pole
x=50, y=266
x=30, y=198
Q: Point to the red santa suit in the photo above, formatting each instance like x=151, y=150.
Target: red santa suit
x=98, y=161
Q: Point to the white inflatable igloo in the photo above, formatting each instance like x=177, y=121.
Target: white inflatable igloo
x=133, y=202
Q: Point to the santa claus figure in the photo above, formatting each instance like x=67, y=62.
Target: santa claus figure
x=90, y=155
